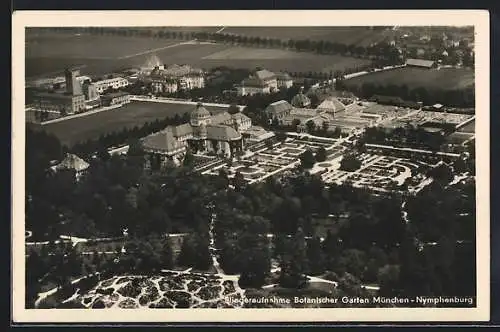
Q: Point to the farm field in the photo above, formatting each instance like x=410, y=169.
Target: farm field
x=43, y=57
x=445, y=78
x=136, y=113
x=359, y=36
x=65, y=45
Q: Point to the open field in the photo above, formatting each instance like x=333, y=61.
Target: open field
x=469, y=128
x=97, y=55
x=459, y=137
x=89, y=46
x=136, y=113
x=359, y=36
x=445, y=78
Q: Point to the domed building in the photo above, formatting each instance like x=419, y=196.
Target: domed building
x=219, y=134
x=200, y=116
x=301, y=100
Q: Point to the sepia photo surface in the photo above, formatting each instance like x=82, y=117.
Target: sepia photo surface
x=202, y=166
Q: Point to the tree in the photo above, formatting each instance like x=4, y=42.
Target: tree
x=254, y=253
x=388, y=280
x=350, y=163
x=201, y=259
x=294, y=262
x=315, y=256
x=321, y=154
x=233, y=109
x=295, y=124
x=442, y=174
x=188, y=159
x=102, y=153
x=35, y=269
x=188, y=251
x=325, y=126
x=353, y=261
x=307, y=159
x=166, y=253
x=239, y=181
x=310, y=126
x=351, y=285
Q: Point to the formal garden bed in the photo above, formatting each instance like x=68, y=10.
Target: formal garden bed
x=171, y=289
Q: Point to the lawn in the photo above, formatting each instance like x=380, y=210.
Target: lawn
x=445, y=78
x=458, y=137
x=136, y=113
x=469, y=128
x=97, y=55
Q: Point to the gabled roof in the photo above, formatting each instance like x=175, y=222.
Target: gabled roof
x=182, y=130
x=278, y=107
x=240, y=116
x=163, y=140
x=265, y=74
x=331, y=105
x=420, y=62
x=253, y=82
x=222, y=133
x=220, y=118
x=72, y=161
x=283, y=76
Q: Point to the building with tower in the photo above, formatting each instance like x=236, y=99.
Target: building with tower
x=221, y=134
x=69, y=101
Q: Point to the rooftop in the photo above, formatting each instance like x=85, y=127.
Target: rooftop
x=264, y=74
x=222, y=133
x=331, y=104
x=72, y=161
x=420, y=63
x=278, y=107
x=163, y=141
x=253, y=81
x=221, y=118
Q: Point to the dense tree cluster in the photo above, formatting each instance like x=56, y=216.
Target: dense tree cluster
x=346, y=234
x=428, y=96
x=126, y=135
x=408, y=136
x=350, y=163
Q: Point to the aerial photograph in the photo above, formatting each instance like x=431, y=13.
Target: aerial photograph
x=173, y=167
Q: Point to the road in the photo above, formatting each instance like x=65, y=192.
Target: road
x=177, y=101
x=153, y=50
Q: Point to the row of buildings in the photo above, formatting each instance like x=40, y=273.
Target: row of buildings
x=79, y=94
